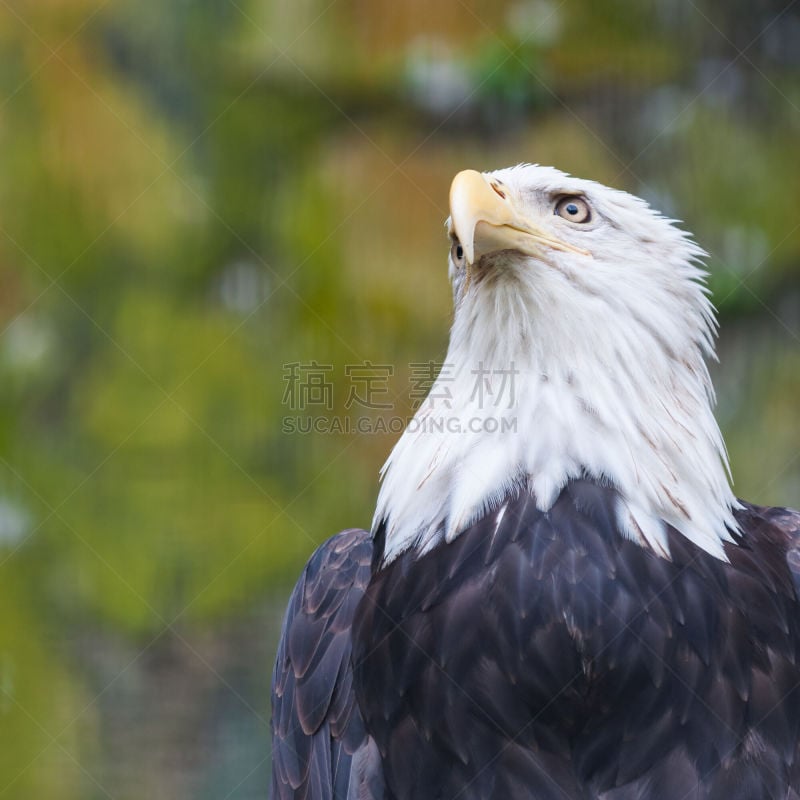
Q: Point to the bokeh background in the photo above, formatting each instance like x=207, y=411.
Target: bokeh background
x=196, y=195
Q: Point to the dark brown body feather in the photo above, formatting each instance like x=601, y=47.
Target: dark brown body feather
x=320, y=747
x=548, y=657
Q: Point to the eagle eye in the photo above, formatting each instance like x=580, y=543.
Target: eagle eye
x=457, y=253
x=573, y=208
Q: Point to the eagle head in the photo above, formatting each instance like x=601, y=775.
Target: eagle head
x=588, y=312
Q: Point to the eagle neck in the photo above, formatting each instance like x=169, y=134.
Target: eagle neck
x=526, y=402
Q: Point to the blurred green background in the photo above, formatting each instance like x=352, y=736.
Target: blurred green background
x=196, y=194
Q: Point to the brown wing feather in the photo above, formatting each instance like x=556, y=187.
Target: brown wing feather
x=786, y=524
x=320, y=748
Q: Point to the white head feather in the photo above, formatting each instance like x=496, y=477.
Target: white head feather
x=589, y=365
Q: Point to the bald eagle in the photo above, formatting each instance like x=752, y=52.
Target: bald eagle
x=569, y=602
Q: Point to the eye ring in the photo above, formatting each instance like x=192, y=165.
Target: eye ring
x=457, y=253
x=573, y=208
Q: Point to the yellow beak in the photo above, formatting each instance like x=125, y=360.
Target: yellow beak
x=485, y=220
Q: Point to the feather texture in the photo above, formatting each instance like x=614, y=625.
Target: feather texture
x=320, y=749
x=545, y=654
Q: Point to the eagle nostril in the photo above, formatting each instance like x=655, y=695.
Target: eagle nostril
x=496, y=186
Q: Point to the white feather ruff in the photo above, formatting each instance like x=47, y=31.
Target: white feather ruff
x=607, y=358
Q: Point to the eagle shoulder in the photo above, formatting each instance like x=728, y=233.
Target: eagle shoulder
x=779, y=527
x=320, y=748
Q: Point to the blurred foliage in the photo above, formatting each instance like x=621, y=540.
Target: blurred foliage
x=194, y=195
